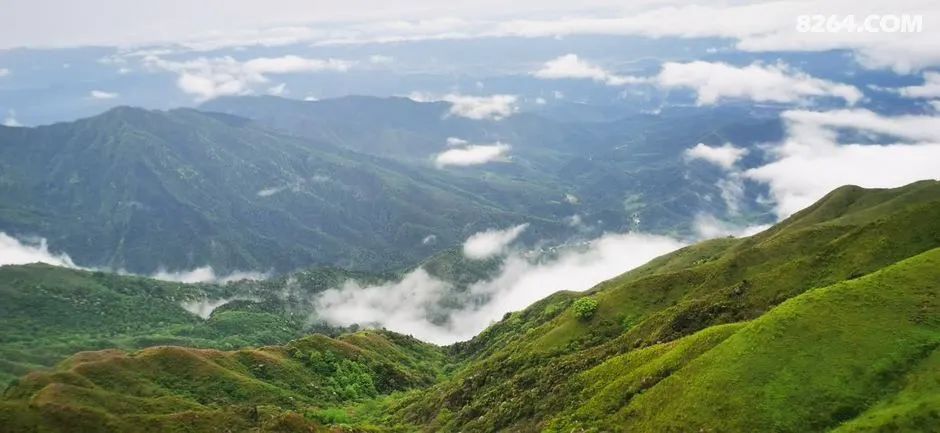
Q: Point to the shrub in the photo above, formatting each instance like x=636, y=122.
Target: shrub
x=585, y=308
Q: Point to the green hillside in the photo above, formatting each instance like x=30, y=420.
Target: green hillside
x=827, y=322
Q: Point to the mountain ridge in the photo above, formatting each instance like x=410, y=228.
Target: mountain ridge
x=784, y=306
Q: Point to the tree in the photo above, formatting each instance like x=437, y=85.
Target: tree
x=585, y=308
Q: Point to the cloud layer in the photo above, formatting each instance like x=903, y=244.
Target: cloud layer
x=724, y=156
x=812, y=160
x=18, y=252
x=762, y=83
x=472, y=154
x=405, y=306
x=206, y=274
x=207, y=78
x=101, y=94
x=570, y=66
x=490, y=243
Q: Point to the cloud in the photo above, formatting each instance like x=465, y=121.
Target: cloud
x=571, y=67
x=429, y=239
x=100, y=94
x=20, y=252
x=709, y=227
x=278, y=90
x=208, y=78
x=762, y=27
x=732, y=191
x=755, y=26
x=724, y=156
x=206, y=274
x=204, y=307
x=472, y=154
x=812, y=161
x=4, y=72
x=379, y=59
x=454, y=141
x=405, y=306
x=267, y=192
x=493, y=107
x=756, y=82
x=930, y=88
x=10, y=120
x=490, y=243
x=713, y=81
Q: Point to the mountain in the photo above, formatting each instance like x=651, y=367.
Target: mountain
x=351, y=182
x=139, y=190
x=826, y=322
x=632, y=168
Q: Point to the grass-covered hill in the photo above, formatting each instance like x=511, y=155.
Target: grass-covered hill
x=827, y=322
x=49, y=313
x=174, y=389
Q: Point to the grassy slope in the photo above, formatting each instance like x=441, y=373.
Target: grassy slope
x=809, y=364
x=164, y=388
x=50, y=313
x=828, y=321
x=518, y=371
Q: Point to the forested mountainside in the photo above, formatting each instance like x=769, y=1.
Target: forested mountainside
x=827, y=322
x=350, y=182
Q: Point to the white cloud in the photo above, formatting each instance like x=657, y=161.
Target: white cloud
x=756, y=82
x=101, y=94
x=454, y=141
x=206, y=274
x=493, y=107
x=406, y=305
x=768, y=26
x=207, y=78
x=763, y=27
x=473, y=154
x=204, y=307
x=4, y=72
x=732, y=191
x=379, y=59
x=811, y=161
x=708, y=227
x=19, y=252
x=724, y=156
x=278, y=90
x=490, y=243
x=572, y=67
x=267, y=192
x=935, y=105
x=10, y=120
x=429, y=239
x=930, y=88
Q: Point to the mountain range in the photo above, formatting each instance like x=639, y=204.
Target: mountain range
x=279, y=185
x=826, y=322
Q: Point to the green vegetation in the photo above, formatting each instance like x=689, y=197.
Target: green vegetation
x=827, y=322
x=584, y=308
